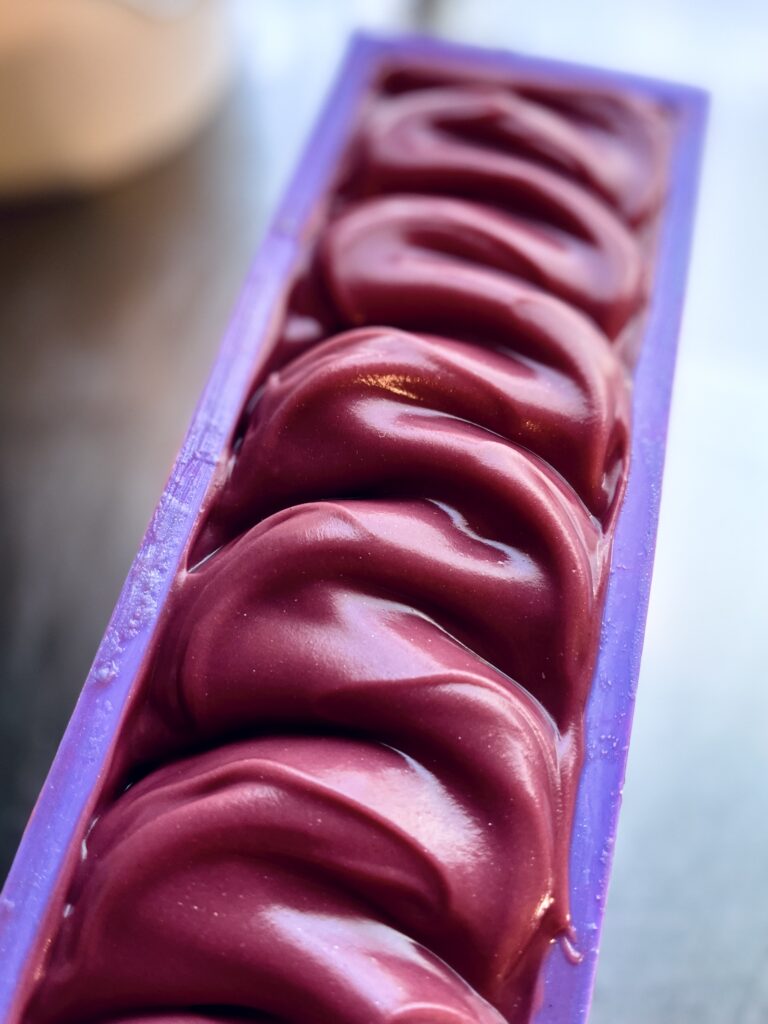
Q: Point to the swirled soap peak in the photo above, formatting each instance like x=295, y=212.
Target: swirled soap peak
x=355, y=748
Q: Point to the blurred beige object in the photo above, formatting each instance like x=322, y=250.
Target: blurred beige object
x=91, y=90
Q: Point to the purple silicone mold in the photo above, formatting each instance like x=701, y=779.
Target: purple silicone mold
x=32, y=892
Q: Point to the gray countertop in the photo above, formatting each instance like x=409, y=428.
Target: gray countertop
x=112, y=306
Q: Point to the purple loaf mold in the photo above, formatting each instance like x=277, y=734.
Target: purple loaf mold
x=34, y=891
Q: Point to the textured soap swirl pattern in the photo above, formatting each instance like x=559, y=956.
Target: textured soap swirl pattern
x=364, y=711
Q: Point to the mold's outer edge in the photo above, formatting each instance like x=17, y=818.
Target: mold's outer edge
x=33, y=888
x=612, y=697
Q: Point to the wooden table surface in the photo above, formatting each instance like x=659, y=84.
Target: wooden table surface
x=111, y=309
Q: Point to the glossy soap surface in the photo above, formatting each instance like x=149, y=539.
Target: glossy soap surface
x=355, y=748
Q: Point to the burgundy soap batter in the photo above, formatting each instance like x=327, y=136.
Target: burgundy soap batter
x=356, y=744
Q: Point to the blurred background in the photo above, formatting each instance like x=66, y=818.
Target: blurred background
x=142, y=145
